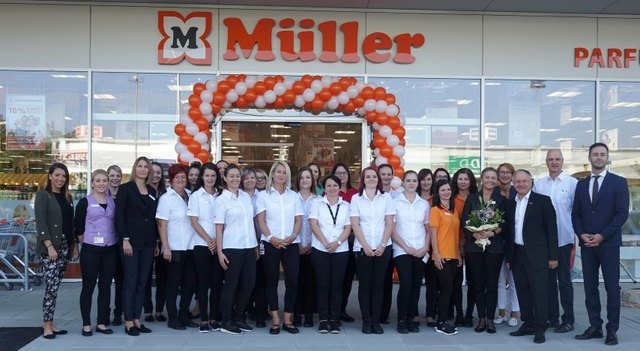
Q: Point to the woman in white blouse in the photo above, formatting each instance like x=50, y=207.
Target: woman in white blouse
x=237, y=251
x=306, y=301
x=372, y=216
x=410, y=245
x=176, y=236
x=279, y=218
x=201, y=211
x=331, y=227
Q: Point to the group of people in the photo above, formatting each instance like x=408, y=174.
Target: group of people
x=224, y=234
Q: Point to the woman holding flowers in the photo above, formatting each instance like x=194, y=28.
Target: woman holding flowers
x=482, y=222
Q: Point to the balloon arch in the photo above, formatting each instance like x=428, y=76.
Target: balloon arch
x=313, y=94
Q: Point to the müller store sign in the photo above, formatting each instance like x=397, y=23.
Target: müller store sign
x=190, y=38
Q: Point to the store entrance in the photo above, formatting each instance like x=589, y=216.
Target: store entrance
x=259, y=144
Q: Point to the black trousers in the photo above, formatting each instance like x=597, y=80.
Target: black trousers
x=560, y=281
x=98, y=264
x=532, y=287
x=455, y=304
x=471, y=296
x=210, y=276
x=306, y=297
x=431, y=293
x=259, y=294
x=608, y=259
x=371, y=272
x=349, y=274
x=387, y=291
x=290, y=258
x=410, y=271
x=180, y=273
x=118, y=280
x=160, y=267
x=445, y=276
x=329, y=271
x=136, y=270
x=239, y=280
x=485, y=269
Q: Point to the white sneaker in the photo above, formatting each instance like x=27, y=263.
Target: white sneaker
x=513, y=322
x=499, y=320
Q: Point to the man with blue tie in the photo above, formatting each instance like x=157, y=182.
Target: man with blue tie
x=600, y=208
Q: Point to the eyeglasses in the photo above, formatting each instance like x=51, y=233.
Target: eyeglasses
x=261, y=178
x=341, y=173
x=441, y=177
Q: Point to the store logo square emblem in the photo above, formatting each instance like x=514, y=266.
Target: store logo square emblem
x=184, y=38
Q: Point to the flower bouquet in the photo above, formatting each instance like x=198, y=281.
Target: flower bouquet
x=487, y=217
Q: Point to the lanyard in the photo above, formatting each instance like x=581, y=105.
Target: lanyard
x=334, y=217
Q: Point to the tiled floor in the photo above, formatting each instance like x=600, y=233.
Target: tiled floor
x=19, y=308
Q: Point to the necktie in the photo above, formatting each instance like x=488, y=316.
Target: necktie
x=594, y=190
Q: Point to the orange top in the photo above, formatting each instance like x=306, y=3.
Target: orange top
x=459, y=204
x=448, y=226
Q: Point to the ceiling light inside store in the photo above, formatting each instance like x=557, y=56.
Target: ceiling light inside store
x=340, y=140
x=495, y=124
x=231, y=151
x=104, y=97
x=345, y=132
x=229, y=147
x=180, y=87
x=337, y=147
x=281, y=135
x=548, y=130
x=279, y=126
x=63, y=76
x=564, y=94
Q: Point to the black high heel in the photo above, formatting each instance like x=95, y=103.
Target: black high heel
x=482, y=325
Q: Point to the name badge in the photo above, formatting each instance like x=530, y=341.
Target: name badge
x=152, y=198
x=95, y=205
x=98, y=240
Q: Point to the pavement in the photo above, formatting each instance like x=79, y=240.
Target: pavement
x=23, y=309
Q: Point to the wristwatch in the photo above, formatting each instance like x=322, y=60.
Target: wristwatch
x=125, y=238
x=269, y=238
x=339, y=242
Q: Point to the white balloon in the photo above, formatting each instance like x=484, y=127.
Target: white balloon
x=205, y=108
x=279, y=88
x=241, y=88
x=250, y=81
x=385, y=131
x=180, y=147
x=185, y=119
x=392, y=110
x=381, y=106
x=206, y=96
x=376, y=126
x=205, y=146
x=381, y=160
x=398, y=150
x=226, y=104
x=299, y=101
x=396, y=182
x=192, y=128
x=343, y=98
x=260, y=103
x=370, y=105
x=402, y=121
x=360, y=85
x=393, y=140
x=186, y=156
x=269, y=96
x=352, y=91
x=184, y=108
x=200, y=137
x=212, y=85
x=308, y=95
x=232, y=96
x=333, y=103
x=316, y=86
x=376, y=152
x=361, y=111
x=288, y=82
x=326, y=81
x=209, y=117
x=401, y=162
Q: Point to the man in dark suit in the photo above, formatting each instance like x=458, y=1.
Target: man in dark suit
x=600, y=208
x=532, y=249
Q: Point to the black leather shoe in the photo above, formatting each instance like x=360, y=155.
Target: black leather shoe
x=143, y=329
x=290, y=328
x=189, y=323
x=612, y=338
x=149, y=318
x=346, y=318
x=366, y=327
x=523, y=330
x=176, y=324
x=377, y=329
x=590, y=333
x=402, y=327
x=106, y=331
x=491, y=327
x=87, y=333
x=133, y=331
x=49, y=336
x=161, y=318
x=539, y=337
x=482, y=325
x=564, y=328
x=60, y=332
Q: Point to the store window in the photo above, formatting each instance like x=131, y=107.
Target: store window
x=526, y=118
x=133, y=115
x=442, y=121
x=43, y=120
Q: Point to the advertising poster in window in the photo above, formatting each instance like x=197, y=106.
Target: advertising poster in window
x=25, y=122
x=323, y=152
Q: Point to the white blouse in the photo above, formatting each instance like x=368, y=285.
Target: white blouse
x=173, y=209
x=236, y=213
x=324, y=213
x=281, y=211
x=372, y=214
x=305, y=230
x=202, y=205
x=410, y=222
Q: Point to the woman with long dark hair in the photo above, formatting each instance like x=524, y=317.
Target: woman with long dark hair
x=193, y=176
x=315, y=170
x=56, y=242
x=425, y=184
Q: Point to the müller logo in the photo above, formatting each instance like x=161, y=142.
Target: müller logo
x=185, y=38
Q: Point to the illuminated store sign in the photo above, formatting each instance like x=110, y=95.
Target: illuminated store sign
x=185, y=37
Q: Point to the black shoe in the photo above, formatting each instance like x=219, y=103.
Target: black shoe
x=60, y=332
x=260, y=324
x=402, y=327
x=482, y=325
x=334, y=327
x=366, y=327
x=230, y=328
x=188, y=323
x=552, y=325
x=612, y=338
x=105, y=331
x=143, y=329
x=161, y=318
x=275, y=329
x=117, y=320
x=459, y=322
x=308, y=321
x=414, y=326
x=445, y=328
x=242, y=325
x=590, y=333
x=290, y=328
x=539, y=337
x=523, y=330
x=176, y=324
x=491, y=327
x=133, y=331
x=346, y=318
x=87, y=333
x=49, y=336
x=149, y=318
x=323, y=327
x=384, y=321
x=377, y=329
x=215, y=326
x=204, y=327
x=564, y=328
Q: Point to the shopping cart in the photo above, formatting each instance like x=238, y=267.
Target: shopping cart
x=17, y=265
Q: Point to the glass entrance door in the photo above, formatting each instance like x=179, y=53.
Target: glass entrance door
x=259, y=144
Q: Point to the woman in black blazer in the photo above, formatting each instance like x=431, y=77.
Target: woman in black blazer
x=485, y=264
x=54, y=225
x=136, y=230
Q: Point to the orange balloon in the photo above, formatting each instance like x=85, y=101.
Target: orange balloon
x=202, y=123
x=371, y=116
x=289, y=96
x=179, y=129
x=317, y=104
x=198, y=88
x=194, y=100
x=270, y=82
x=349, y=109
x=382, y=119
x=367, y=93
x=325, y=94
x=260, y=88
x=219, y=98
x=345, y=82
x=335, y=88
x=232, y=80
x=306, y=80
x=386, y=150
x=242, y=77
x=400, y=132
x=394, y=161
x=298, y=88
x=279, y=78
x=279, y=103
x=224, y=86
x=241, y=103
x=215, y=109
x=390, y=99
x=203, y=155
x=195, y=113
x=358, y=101
x=379, y=93
x=186, y=138
x=398, y=172
x=184, y=163
x=194, y=146
x=393, y=122
x=379, y=141
x=250, y=95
